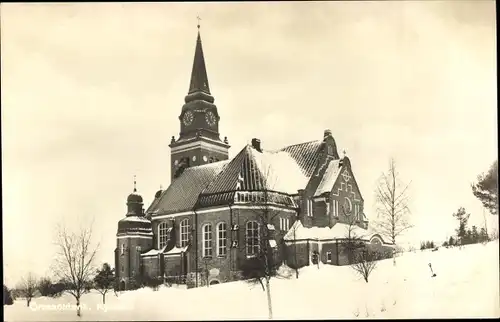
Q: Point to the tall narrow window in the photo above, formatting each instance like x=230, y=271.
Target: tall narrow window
x=252, y=238
x=162, y=235
x=335, y=208
x=284, y=224
x=328, y=208
x=207, y=240
x=329, y=257
x=123, y=249
x=184, y=235
x=309, y=208
x=221, y=239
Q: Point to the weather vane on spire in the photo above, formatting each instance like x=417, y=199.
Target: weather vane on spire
x=198, y=17
x=135, y=183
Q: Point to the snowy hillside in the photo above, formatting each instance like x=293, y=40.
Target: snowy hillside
x=466, y=285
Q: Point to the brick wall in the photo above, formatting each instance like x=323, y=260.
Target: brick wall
x=217, y=266
x=297, y=255
x=129, y=263
x=173, y=265
x=320, y=218
x=151, y=266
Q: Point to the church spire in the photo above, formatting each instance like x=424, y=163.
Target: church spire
x=198, y=87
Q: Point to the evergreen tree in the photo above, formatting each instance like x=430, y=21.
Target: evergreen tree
x=474, y=235
x=451, y=241
x=104, y=280
x=7, y=296
x=483, y=236
x=462, y=218
x=486, y=188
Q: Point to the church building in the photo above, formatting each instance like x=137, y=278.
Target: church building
x=302, y=199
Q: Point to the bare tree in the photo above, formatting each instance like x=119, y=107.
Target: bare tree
x=263, y=264
x=392, y=199
x=366, y=262
x=27, y=287
x=294, y=230
x=352, y=241
x=261, y=267
x=74, y=262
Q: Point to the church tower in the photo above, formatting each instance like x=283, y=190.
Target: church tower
x=133, y=237
x=199, y=140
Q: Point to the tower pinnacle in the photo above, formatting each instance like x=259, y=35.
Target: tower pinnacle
x=135, y=184
x=198, y=87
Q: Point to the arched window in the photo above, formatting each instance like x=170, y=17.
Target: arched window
x=376, y=241
x=123, y=249
x=162, y=235
x=184, y=235
x=347, y=206
x=221, y=239
x=252, y=238
x=207, y=240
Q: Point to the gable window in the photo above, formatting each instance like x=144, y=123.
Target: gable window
x=330, y=150
x=252, y=238
x=162, y=235
x=221, y=239
x=329, y=257
x=347, y=206
x=284, y=224
x=184, y=235
x=309, y=208
x=207, y=240
x=335, y=207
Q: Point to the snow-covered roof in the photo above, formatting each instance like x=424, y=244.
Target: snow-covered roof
x=154, y=252
x=329, y=178
x=339, y=230
x=176, y=250
x=136, y=219
x=183, y=192
x=281, y=171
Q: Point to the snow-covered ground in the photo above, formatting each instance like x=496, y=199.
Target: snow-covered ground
x=466, y=285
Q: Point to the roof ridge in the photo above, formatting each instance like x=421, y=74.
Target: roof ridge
x=213, y=164
x=289, y=146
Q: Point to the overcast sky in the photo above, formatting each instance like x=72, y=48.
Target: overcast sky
x=91, y=94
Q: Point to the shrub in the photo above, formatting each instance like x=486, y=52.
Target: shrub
x=153, y=282
x=366, y=262
x=7, y=296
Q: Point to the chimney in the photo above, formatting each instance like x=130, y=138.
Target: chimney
x=256, y=144
x=327, y=133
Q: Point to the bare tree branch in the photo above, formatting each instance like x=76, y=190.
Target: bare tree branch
x=392, y=200
x=27, y=287
x=74, y=261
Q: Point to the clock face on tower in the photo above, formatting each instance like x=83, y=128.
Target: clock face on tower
x=188, y=118
x=210, y=118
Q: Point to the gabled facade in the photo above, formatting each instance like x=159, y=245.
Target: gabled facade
x=205, y=225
